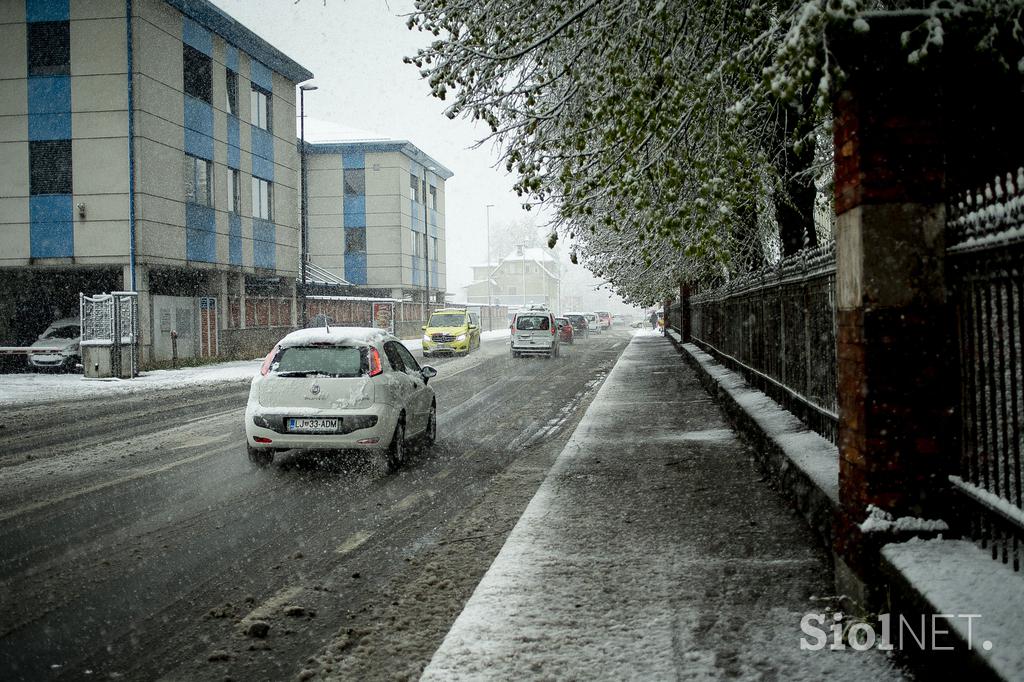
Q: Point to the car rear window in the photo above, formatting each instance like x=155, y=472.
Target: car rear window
x=531, y=322
x=332, y=361
x=447, y=320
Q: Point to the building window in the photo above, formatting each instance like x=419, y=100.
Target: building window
x=433, y=248
x=262, y=199
x=50, y=167
x=511, y=291
x=259, y=99
x=417, y=245
x=414, y=187
x=197, y=70
x=49, y=48
x=198, y=181
x=433, y=197
x=355, y=182
x=234, y=191
x=355, y=240
x=231, y=80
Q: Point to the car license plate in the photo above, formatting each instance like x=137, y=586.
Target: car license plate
x=442, y=345
x=313, y=425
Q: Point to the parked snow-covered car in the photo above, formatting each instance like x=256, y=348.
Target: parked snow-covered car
x=340, y=388
x=64, y=335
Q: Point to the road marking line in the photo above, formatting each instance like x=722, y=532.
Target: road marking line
x=354, y=542
x=205, y=417
x=107, y=484
x=410, y=500
x=274, y=602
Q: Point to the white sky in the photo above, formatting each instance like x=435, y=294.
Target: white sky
x=354, y=49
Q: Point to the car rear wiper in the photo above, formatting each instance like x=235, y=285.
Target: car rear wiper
x=299, y=373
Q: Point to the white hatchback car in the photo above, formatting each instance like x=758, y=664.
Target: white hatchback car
x=349, y=388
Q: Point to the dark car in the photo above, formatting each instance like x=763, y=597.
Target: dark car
x=565, y=330
x=580, y=327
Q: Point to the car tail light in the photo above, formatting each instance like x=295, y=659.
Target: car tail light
x=261, y=439
x=267, y=360
x=375, y=367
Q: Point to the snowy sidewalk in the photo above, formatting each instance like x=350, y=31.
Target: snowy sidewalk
x=652, y=550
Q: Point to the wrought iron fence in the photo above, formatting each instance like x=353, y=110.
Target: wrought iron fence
x=778, y=328
x=985, y=269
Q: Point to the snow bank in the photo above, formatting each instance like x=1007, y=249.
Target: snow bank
x=25, y=389
x=881, y=521
x=957, y=577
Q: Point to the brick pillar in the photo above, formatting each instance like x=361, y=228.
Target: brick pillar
x=897, y=368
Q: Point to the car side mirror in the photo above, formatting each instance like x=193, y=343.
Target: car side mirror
x=428, y=373
x=424, y=327
x=473, y=326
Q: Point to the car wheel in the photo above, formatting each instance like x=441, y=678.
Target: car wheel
x=260, y=457
x=387, y=460
x=430, y=433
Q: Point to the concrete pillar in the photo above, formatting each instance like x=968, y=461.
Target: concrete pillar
x=292, y=290
x=241, y=301
x=897, y=373
x=223, y=311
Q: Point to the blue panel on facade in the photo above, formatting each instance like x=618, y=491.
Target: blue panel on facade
x=49, y=108
x=196, y=36
x=198, y=128
x=263, y=168
x=47, y=10
x=355, y=211
x=260, y=75
x=234, y=144
x=417, y=276
x=231, y=57
x=52, y=228
x=355, y=267
x=234, y=239
x=353, y=160
x=262, y=154
x=49, y=126
x=49, y=94
x=263, y=248
x=416, y=211
x=200, y=233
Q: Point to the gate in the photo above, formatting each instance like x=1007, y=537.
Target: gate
x=110, y=334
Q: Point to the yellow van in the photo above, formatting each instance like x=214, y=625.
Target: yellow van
x=450, y=332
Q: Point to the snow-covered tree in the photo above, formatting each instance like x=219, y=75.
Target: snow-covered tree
x=673, y=140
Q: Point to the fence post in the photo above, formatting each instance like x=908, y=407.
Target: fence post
x=685, y=330
x=897, y=374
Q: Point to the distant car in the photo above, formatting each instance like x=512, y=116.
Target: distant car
x=340, y=388
x=604, y=319
x=534, y=333
x=450, y=332
x=579, y=324
x=64, y=335
x=565, y=331
x=593, y=325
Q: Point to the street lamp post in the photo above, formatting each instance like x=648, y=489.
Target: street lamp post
x=490, y=321
x=304, y=217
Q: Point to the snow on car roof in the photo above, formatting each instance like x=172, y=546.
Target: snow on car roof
x=340, y=336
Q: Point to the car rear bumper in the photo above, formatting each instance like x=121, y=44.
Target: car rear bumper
x=355, y=431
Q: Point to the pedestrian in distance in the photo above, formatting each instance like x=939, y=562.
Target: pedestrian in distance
x=654, y=320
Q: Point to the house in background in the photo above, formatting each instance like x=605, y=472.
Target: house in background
x=526, y=276
x=376, y=212
x=147, y=145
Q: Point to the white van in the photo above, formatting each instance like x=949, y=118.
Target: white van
x=534, y=333
x=593, y=323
